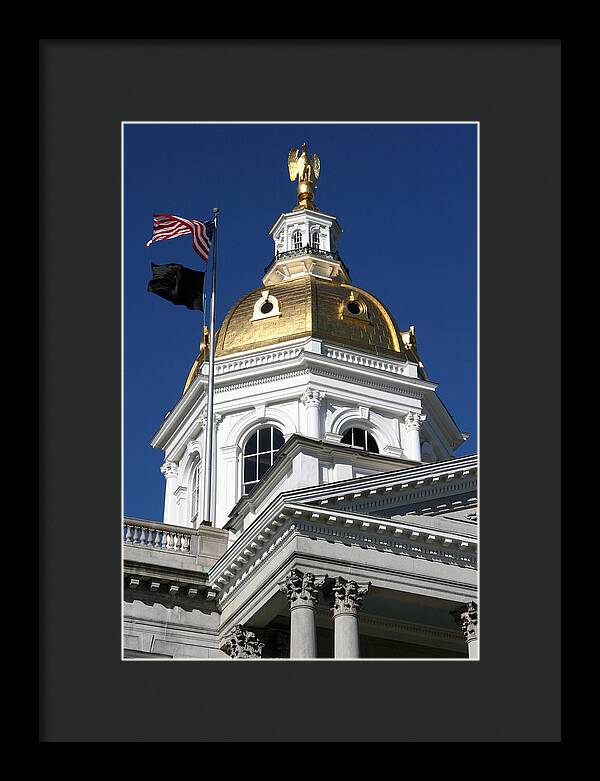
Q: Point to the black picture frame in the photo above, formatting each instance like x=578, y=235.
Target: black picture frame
x=87, y=88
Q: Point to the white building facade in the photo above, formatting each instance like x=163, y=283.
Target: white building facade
x=343, y=526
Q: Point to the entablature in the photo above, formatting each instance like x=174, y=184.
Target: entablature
x=283, y=519
x=407, y=484
x=333, y=365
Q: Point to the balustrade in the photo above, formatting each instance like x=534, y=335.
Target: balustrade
x=166, y=538
x=308, y=249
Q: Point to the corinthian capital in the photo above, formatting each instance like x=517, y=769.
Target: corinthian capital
x=466, y=618
x=414, y=419
x=243, y=644
x=348, y=595
x=311, y=397
x=169, y=469
x=302, y=588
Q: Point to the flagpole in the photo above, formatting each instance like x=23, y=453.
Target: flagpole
x=208, y=439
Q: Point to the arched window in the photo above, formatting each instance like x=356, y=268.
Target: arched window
x=259, y=454
x=297, y=240
x=316, y=239
x=195, y=495
x=358, y=437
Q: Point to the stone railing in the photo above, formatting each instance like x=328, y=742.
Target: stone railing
x=174, y=539
x=262, y=359
x=346, y=356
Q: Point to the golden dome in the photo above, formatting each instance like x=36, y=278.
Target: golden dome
x=310, y=307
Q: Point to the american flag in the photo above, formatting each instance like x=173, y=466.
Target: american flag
x=168, y=226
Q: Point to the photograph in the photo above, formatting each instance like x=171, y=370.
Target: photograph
x=295, y=294
x=300, y=391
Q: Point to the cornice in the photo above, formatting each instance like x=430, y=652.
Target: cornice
x=434, y=491
x=320, y=216
x=264, y=536
x=261, y=380
x=267, y=365
x=407, y=389
x=414, y=478
x=183, y=407
x=302, y=362
x=444, y=421
x=171, y=582
x=367, y=368
x=256, y=360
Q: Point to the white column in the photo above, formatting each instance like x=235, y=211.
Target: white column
x=312, y=402
x=302, y=591
x=347, y=599
x=413, y=422
x=466, y=618
x=170, y=470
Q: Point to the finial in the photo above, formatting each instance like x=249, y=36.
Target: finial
x=307, y=169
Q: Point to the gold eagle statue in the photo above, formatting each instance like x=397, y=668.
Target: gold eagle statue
x=307, y=169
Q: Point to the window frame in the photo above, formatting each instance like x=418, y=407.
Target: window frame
x=271, y=451
x=195, y=493
x=365, y=448
x=295, y=245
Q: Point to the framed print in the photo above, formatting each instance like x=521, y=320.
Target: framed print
x=314, y=485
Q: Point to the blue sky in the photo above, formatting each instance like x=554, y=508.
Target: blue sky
x=405, y=196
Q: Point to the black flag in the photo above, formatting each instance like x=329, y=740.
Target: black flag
x=178, y=284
